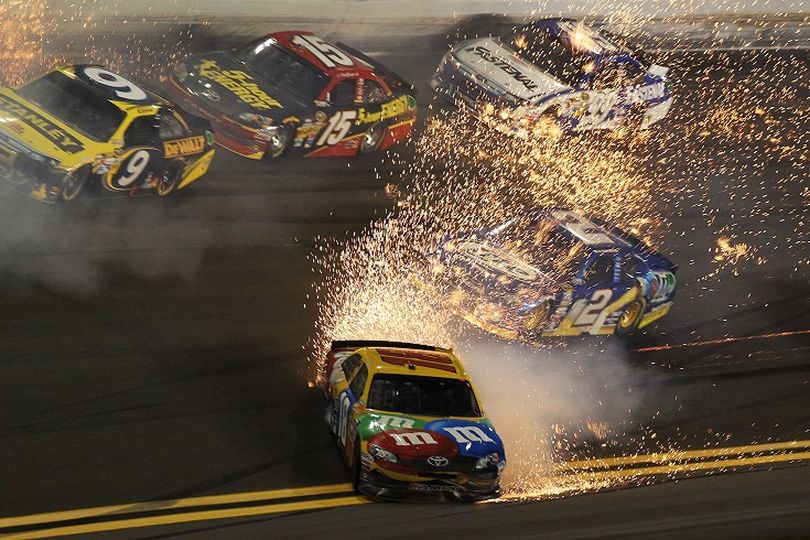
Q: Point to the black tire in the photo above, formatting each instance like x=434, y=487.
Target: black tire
x=356, y=466
x=373, y=138
x=279, y=142
x=630, y=317
x=171, y=178
x=537, y=317
x=73, y=183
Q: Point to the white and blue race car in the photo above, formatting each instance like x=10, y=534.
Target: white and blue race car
x=554, y=73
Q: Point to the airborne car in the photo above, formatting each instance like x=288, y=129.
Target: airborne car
x=293, y=92
x=554, y=73
x=552, y=272
x=81, y=124
x=408, y=422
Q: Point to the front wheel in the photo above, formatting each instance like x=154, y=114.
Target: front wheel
x=630, y=317
x=278, y=143
x=73, y=183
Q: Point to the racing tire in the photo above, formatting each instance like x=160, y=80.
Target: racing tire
x=279, y=142
x=171, y=177
x=373, y=138
x=537, y=317
x=73, y=183
x=630, y=317
x=356, y=466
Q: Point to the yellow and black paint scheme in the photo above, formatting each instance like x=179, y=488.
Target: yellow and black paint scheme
x=85, y=126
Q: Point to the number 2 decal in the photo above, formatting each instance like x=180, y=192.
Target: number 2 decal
x=599, y=299
x=122, y=88
x=328, y=55
x=339, y=125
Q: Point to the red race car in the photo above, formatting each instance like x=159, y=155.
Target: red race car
x=291, y=92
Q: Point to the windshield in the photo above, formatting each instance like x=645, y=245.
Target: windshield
x=423, y=396
x=283, y=68
x=542, y=244
x=549, y=53
x=76, y=104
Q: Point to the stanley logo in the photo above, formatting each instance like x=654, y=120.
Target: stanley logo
x=61, y=138
x=184, y=147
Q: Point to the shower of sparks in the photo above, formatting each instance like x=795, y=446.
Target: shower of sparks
x=707, y=168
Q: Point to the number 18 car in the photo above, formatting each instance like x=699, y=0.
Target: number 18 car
x=292, y=92
x=408, y=422
x=83, y=123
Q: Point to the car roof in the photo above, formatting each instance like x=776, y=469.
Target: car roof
x=587, y=38
x=590, y=234
x=152, y=101
x=358, y=67
x=396, y=360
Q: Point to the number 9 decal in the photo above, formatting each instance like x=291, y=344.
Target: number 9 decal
x=122, y=88
x=131, y=169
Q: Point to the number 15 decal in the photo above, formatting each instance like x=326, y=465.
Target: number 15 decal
x=599, y=299
x=339, y=125
x=329, y=55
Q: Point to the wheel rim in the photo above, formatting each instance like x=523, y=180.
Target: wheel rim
x=278, y=142
x=628, y=318
x=538, y=317
x=169, y=180
x=373, y=137
x=73, y=185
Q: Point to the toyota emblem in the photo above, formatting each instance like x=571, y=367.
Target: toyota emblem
x=210, y=94
x=437, y=461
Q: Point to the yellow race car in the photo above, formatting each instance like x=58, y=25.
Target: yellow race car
x=408, y=422
x=84, y=124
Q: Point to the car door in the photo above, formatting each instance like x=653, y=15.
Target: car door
x=342, y=101
x=141, y=156
x=594, y=290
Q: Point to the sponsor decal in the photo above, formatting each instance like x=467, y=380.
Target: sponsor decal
x=394, y=422
x=65, y=141
x=468, y=434
x=489, y=258
x=209, y=137
x=662, y=285
x=184, y=147
x=413, y=438
x=504, y=65
x=389, y=109
x=240, y=84
x=430, y=487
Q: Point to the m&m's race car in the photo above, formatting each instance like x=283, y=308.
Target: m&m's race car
x=409, y=423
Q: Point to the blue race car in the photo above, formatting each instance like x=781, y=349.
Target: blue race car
x=553, y=75
x=551, y=272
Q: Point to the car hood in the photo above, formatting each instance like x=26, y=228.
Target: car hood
x=27, y=129
x=414, y=437
x=500, y=65
x=225, y=83
x=489, y=263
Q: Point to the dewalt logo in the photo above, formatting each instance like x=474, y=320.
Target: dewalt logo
x=184, y=147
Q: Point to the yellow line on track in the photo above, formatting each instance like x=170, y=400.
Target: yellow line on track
x=102, y=511
x=666, y=457
x=699, y=466
x=187, y=517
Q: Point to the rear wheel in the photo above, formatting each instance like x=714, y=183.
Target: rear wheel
x=279, y=141
x=373, y=138
x=170, y=179
x=630, y=317
x=74, y=182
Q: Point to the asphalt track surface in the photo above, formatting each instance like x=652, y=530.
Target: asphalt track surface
x=152, y=349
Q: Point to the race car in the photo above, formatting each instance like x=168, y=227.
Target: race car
x=84, y=123
x=552, y=272
x=292, y=92
x=408, y=422
x=553, y=75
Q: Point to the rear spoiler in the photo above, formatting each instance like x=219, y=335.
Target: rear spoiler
x=358, y=344
x=381, y=69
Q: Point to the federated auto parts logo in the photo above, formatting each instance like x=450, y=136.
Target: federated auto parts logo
x=437, y=461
